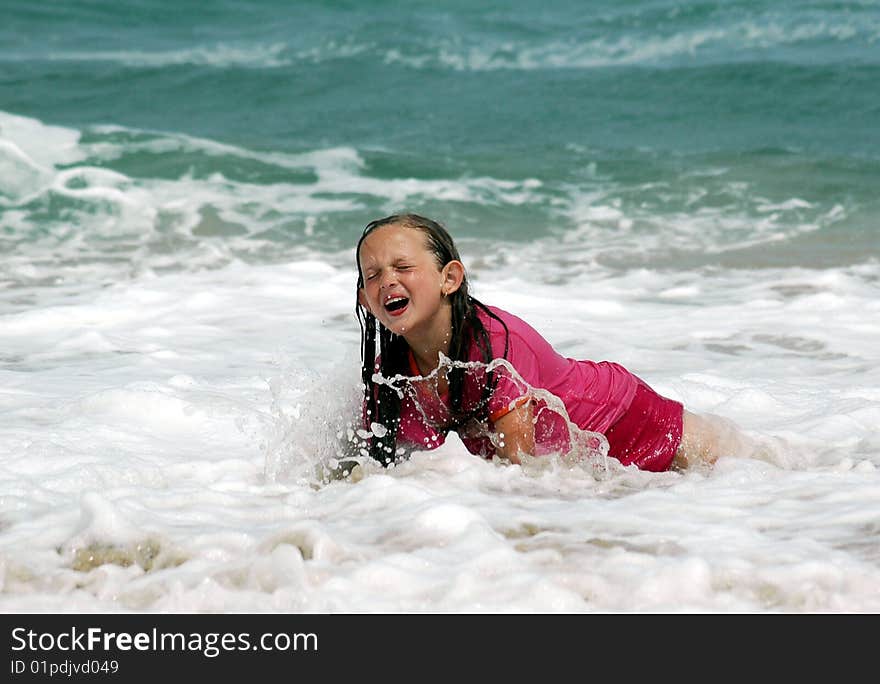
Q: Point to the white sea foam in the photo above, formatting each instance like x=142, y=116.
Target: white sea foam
x=44, y=145
x=29, y=151
x=207, y=221
x=796, y=34
x=791, y=37
x=159, y=439
x=606, y=224
x=219, y=56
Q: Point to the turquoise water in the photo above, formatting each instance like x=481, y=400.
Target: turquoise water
x=670, y=134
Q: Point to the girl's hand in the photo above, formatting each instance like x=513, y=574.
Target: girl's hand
x=515, y=433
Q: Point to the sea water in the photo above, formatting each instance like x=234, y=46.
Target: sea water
x=689, y=189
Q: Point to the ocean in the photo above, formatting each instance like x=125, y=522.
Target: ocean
x=687, y=188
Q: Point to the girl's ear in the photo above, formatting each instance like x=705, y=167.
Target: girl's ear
x=451, y=277
x=362, y=299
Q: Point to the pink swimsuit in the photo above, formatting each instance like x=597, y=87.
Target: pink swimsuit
x=642, y=427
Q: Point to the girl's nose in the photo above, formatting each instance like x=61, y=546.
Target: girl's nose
x=388, y=279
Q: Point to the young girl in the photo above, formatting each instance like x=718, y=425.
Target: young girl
x=435, y=360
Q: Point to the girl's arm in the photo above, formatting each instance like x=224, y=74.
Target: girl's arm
x=515, y=433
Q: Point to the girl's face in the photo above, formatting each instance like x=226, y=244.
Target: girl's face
x=404, y=287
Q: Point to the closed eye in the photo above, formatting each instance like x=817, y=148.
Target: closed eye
x=370, y=275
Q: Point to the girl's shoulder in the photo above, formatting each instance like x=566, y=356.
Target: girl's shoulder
x=501, y=321
x=511, y=336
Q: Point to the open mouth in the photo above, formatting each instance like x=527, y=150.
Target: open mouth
x=396, y=305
